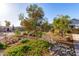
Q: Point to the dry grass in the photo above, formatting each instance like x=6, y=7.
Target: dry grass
x=67, y=39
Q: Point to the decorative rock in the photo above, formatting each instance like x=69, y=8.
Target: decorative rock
x=63, y=50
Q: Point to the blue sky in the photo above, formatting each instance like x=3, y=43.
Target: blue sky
x=11, y=11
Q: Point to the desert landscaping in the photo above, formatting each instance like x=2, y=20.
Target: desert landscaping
x=37, y=37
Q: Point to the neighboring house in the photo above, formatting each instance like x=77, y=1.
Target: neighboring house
x=75, y=23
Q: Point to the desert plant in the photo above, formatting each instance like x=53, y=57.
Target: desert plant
x=17, y=32
x=61, y=23
x=19, y=50
x=30, y=48
x=39, y=33
x=24, y=40
x=38, y=47
x=2, y=45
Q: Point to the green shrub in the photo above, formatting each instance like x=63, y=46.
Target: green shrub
x=31, y=48
x=39, y=33
x=2, y=45
x=19, y=50
x=38, y=47
x=24, y=40
x=17, y=32
x=38, y=43
x=26, y=32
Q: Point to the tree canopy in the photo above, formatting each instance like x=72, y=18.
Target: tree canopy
x=7, y=23
x=35, y=18
x=61, y=23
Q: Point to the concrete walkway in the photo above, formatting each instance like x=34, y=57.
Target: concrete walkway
x=76, y=43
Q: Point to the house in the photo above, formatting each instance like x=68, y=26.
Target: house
x=75, y=23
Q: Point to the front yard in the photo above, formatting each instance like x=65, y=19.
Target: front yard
x=47, y=45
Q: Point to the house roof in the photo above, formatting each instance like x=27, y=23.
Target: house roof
x=75, y=21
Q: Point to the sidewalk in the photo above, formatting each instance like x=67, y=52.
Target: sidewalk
x=76, y=43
